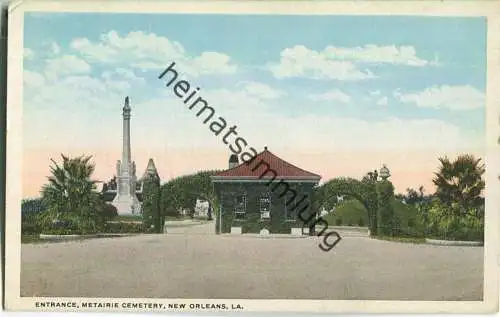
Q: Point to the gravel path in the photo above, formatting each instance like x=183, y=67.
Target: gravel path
x=209, y=266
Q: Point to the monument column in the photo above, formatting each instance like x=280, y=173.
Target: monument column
x=126, y=200
x=126, y=153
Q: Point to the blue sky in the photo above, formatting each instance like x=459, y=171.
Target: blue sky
x=254, y=41
x=338, y=82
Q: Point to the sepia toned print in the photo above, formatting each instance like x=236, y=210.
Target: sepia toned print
x=252, y=157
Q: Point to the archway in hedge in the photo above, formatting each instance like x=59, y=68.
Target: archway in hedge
x=182, y=192
x=363, y=191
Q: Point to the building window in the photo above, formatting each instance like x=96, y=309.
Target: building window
x=240, y=207
x=265, y=206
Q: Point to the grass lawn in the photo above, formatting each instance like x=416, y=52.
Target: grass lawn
x=353, y=213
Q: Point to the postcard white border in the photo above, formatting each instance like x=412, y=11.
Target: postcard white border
x=489, y=9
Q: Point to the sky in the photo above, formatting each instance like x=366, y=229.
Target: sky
x=336, y=95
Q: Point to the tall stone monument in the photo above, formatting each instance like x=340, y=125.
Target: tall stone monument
x=126, y=199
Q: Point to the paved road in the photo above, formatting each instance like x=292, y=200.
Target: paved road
x=211, y=266
x=191, y=227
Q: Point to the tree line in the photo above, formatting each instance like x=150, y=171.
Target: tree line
x=70, y=200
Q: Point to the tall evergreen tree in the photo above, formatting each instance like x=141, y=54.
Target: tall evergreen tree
x=152, y=215
x=385, y=218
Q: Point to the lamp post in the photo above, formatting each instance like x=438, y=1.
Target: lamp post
x=384, y=173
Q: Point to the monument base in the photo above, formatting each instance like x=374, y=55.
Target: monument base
x=127, y=205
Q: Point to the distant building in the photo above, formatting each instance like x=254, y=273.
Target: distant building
x=201, y=208
x=258, y=197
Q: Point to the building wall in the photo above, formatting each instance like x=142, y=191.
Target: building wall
x=252, y=223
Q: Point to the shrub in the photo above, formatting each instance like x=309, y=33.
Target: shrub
x=361, y=222
x=338, y=222
x=411, y=223
x=109, y=212
x=30, y=227
x=464, y=228
x=125, y=227
x=30, y=211
x=32, y=206
x=29, y=224
x=448, y=223
x=408, y=228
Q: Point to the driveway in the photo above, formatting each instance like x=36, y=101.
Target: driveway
x=191, y=227
x=210, y=266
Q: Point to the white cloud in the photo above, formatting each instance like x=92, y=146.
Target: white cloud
x=28, y=53
x=333, y=95
x=382, y=101
x=257, y=122
x=261, y=90
x=403, y=55
x=77, y=104
x=235, y=104
x=78, y=89
x=445, y=97
x=150, y=51
x=358, y=134
x=74, y=104
x=33, y=79
x=375, y=93
x=338, y=62
x=97, y=52
x=55, y=48
x=122, y=79
x=66, y=65
x=300, y=61
x=121, y=72
x=209, y=63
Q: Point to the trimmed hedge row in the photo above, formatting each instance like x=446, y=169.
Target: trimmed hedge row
x=126, y=227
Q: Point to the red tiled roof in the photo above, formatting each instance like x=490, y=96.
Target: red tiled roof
x=282, y=168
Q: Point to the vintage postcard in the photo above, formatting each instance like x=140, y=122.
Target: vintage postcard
x=208, y=156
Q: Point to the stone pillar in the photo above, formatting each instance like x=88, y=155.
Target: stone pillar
x=126, y=152
x=126, y=200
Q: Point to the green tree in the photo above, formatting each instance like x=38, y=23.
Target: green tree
x=385, y=219
x=182, y=192
x=71, y=197
x=151, y=211
x=460, y=182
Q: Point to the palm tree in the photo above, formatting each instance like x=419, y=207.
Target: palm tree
x=71, y=193
x=460, y=182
